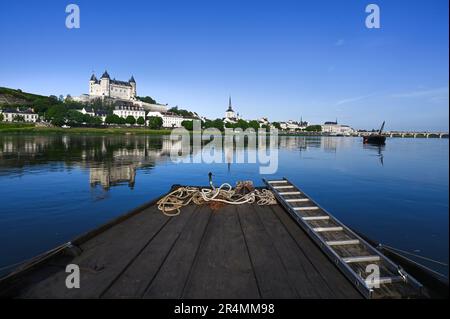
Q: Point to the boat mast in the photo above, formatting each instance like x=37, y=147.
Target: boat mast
x=381, y=128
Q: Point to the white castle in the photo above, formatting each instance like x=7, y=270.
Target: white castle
x=120, y=92
x=105, y=87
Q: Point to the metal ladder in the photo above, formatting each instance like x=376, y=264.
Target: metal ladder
x=345, y=248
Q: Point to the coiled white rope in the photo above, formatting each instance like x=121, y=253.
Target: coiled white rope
x=171, y=204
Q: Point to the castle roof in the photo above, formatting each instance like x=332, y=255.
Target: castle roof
x=93, y=77
x=117, y=82
x=132, y=80
x=105, y=75
x=101, y=113
x=130, y=108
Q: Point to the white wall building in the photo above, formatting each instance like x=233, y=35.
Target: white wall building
x=125, y=111
x=87, y=110
x=292, y=125
x=333, y=128
x=170, y=120
x=9, y=115
x=105, y=87
x=263, y=121
x=91, y=112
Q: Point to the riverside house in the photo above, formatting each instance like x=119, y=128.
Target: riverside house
x=18, y=115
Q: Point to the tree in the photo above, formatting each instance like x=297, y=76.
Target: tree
x=243, y=124
x=58, y=121
x=181, y=112
x=147, y=99
x=314, y=128
x=254, y=125
x=92, y=120
x=53, y=98
x=230, y=125
x=276, y=125
x=130, y=120
x=112, y=119
x=217, y=123
x=1, y=117
x=140, y=121
x=121, y=121
x=188, y=125
x=96, y=120
x=73, y=116
x=56, y=114
x=155, y=122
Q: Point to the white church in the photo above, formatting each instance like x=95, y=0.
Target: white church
x=230, y=114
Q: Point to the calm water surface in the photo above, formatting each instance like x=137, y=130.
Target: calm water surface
x=53, y=187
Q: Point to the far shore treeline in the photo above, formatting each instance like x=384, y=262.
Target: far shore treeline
x=62, y=111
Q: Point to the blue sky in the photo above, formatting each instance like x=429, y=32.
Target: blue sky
x=280, y=59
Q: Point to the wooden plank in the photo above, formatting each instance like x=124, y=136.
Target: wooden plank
x=171, y=278
x=104, y=257
x=273, y=280
x=331, y=275
x=134, y=281
x=222, y=268
x=302, y=273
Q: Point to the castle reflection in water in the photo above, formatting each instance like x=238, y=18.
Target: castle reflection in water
x=114, y=160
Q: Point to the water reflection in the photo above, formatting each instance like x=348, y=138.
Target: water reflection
x=379, y=149
x=114, y=160
x=58, y=187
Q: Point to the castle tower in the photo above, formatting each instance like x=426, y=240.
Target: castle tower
x=133, y=88
x=92, y=82
x=104, y=84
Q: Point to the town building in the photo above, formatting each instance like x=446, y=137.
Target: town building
x=170, y=120
x=12, y=115
x=107, y=87
x=293, y=125
x=87, y=110
x=125, y=111
x=101, y=114
x=333, y=128
x=263, y=122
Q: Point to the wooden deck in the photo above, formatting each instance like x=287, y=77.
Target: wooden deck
x=244, y=251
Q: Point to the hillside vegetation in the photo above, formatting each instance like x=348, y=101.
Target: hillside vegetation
x=10, y=97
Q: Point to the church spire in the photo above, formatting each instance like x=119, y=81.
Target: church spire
x=230, y=109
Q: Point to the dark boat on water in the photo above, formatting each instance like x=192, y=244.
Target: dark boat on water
x=377, y=139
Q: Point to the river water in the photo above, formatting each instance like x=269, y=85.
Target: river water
x=56, y=187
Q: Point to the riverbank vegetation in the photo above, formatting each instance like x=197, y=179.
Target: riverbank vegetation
x=31, y=128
